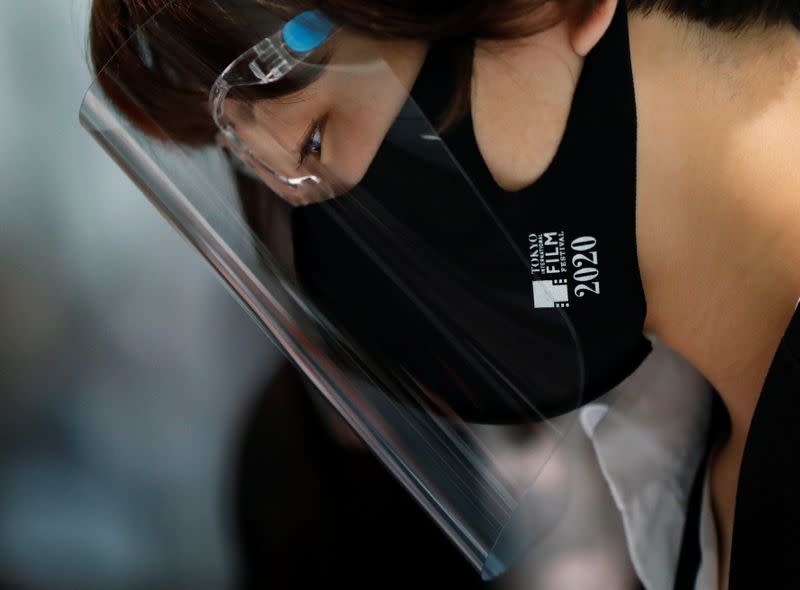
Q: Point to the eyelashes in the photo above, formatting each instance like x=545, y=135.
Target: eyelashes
x=312, y=142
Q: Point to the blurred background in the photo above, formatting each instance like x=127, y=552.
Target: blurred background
x=125, y=367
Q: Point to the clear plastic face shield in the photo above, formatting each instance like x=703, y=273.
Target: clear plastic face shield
x=303, y=168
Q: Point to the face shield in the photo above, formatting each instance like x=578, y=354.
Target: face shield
x=304, y=161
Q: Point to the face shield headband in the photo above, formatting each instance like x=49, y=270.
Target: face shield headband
x=266, y=63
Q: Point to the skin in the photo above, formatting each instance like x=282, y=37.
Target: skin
x=717, y=186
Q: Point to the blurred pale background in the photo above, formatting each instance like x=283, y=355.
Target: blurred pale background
x=125, y=366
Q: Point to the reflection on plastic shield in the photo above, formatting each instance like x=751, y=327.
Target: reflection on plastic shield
x=365, y=277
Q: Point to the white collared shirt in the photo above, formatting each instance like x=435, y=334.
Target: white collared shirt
x=649, y=435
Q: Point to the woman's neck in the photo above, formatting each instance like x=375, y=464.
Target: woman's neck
x=718, y=218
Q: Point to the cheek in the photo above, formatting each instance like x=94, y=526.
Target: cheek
x=352, y=144
x=357, y=127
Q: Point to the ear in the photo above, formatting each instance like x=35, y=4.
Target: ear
x=585, y=32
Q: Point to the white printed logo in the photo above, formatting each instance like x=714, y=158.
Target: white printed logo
x=550, y=294
x=571, y=268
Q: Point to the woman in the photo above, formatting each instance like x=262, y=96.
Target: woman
x=683, y=201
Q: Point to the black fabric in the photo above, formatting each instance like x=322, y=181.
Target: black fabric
x=588, y=190
x=427, y=281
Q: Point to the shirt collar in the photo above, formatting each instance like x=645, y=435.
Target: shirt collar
x=649, y=435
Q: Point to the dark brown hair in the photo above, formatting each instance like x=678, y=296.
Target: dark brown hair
x=161, y=100
x=219, y=33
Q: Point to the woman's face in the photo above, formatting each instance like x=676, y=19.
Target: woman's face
x=332, y=129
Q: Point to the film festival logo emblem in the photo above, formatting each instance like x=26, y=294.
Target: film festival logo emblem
x=551, y=294
x=556, y=263
x=548, y=257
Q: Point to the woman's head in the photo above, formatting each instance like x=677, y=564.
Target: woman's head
x=165, y=100
x=176, y=101
x=334, y=122
x=319, y=141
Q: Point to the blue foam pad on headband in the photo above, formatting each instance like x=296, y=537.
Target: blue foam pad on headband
x=307, y=31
